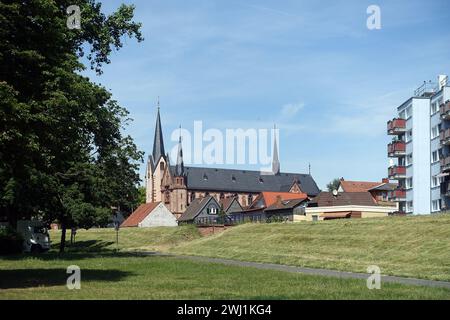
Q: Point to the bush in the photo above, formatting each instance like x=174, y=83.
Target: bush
x=11, y=242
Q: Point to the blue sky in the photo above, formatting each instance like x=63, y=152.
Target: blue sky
x=311, y=67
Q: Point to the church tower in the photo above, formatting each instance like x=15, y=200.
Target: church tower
x=275, y=161
x=179, y=194
x=156, y=164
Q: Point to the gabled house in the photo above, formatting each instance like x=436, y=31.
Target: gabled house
x=266, y=199
x=202, y=211
x=379, y=190
x=230, y=205
x=273, y=206
x=154, y=214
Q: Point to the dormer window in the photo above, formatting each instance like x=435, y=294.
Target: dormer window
x=205, y=177
x=233, y=178
x=261, y=180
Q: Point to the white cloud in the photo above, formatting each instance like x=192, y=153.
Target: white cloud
x=291, y=109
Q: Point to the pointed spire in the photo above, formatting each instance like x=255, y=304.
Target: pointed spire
x=158, y=142
x=275, y=161
x=179, y=169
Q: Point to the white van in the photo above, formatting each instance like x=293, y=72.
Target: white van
x=35, y=235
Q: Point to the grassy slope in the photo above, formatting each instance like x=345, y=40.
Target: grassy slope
x=124, y=276
x=130, y=239
x=412, y=246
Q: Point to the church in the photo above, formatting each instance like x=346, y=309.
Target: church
x=178, y=185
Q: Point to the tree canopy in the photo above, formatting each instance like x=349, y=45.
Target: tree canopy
x=63, y=153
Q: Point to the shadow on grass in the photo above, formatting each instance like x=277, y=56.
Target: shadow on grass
x=53, y=255
x=31, y=278
x=87, y=245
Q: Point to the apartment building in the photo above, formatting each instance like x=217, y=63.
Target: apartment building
x=420, y=150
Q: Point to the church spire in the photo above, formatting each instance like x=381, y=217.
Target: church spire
x=179, y=169
x=275, y=161
x=158, y=142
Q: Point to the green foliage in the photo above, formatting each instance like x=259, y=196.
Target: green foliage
x=11, y=241
x=62, y=151
x=334, y=185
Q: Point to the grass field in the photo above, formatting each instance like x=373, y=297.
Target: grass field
x=130, y=239
x=126, y=276
x=404, y=246
x=414, y=246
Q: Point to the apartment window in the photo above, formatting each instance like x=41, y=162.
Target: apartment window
x=435, y=182
x=402, y=115
x=435, y=205
x=435, y=156
x=440, y=101
x=409, y=183
x=435, y=131
x=434, y=108
x=409, y=206
x=408, y=159
x=408, y=112
x=408, y=136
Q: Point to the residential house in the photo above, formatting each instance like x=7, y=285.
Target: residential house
x=380, y=191
x=203, y=211
x=154, y=214
x=338, y=205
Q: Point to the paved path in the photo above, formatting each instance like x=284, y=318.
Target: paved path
x=310, y=271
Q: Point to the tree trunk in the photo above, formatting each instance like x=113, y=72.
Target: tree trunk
x=62, y=244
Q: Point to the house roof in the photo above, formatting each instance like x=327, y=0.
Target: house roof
x=285, y=204
x=271, y=198
x=358, y=186
x=231, y=180
x=327, y=199
x=385, y=187
x=195, y=208
x=140, y=214
x=227, y=202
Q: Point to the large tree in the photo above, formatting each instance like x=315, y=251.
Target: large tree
x=63, y=154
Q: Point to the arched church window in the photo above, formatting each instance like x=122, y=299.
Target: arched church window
x=192, y=196
x=222, y=196
x=250, y=199
x=167, y=197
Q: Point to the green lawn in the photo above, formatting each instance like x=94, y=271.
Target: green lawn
x=126, y=276
x=130, y=239
x=404, y=246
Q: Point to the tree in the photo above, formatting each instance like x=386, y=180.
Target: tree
x=63, y=154
x=334, y=185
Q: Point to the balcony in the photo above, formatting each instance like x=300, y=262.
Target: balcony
x=445, y=137
x=445, y=164
x=396, y=126
x=445, y=110
x=397, y=172
x=396, y=149
x=397, y=195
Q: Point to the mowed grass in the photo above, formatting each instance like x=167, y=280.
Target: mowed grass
x=127, y=276
x=404, y=246
x=130, y=239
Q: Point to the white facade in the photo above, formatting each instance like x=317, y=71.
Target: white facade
x=159, y=217
x=424, y=149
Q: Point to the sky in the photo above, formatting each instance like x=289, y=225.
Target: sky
x=313, y=68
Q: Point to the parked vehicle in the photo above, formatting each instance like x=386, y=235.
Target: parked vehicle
x=35, y=235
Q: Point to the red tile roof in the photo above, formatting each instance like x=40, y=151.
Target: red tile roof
x=271, y=197
x=139, y=214
x=358, y=186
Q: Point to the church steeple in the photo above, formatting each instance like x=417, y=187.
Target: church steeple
x=275, y=161
x=179, y=168
x=158, y=142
